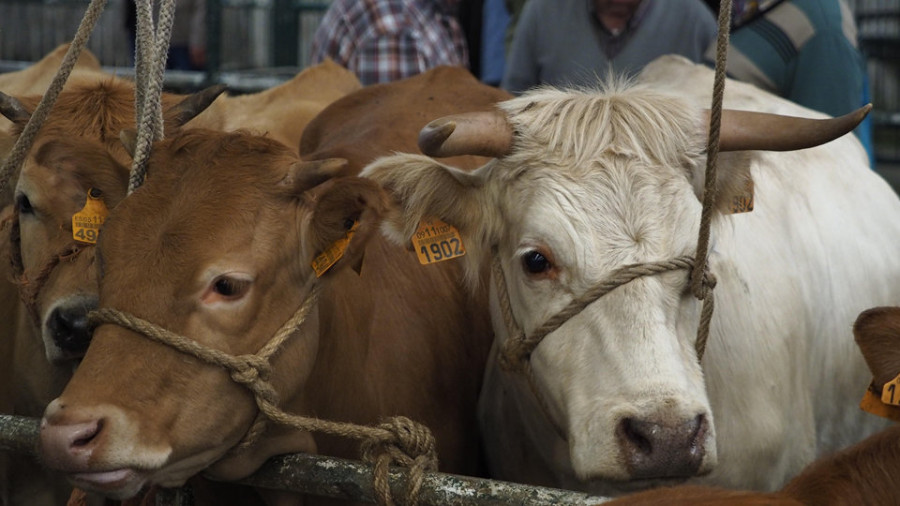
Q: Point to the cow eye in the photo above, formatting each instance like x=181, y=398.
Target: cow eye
x=535, y=263
x=23, y=205
x=230, y=288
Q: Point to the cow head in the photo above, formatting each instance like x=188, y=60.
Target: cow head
x=586, y=183
x=78, y=148
x=215, y=246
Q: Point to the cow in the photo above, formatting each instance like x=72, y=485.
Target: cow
x=78, y=148
x=56, y=181
x=281, y=112
x=36, y=78
x=395, y=337
x=588, y=182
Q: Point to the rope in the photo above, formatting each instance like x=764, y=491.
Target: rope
x=398, y=440
x=712, y=154
x=518, y=347
x=150, y=67
x=26, y=139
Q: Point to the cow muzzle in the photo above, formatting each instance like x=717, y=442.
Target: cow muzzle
x=655, y=447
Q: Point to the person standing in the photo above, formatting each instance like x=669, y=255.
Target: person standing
x=577, y=42
x=803, y=50
x=385, y=40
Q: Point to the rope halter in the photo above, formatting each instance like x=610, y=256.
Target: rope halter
x=517, y=349
x=398, y=440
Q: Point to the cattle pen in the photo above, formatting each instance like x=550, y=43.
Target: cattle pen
x=338, y=478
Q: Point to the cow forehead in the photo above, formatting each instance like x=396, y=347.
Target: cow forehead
x=613, y=212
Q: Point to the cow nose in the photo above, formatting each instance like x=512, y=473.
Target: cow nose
x=69, y=328
x=68, y=447
x=654, y=448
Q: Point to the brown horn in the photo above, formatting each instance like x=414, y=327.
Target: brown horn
x=193, y=105
x=746, y=130
x=13, y=109
x=484, y=133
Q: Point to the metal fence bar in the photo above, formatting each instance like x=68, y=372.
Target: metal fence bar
x=351, y=480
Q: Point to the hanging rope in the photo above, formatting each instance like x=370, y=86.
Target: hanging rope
x=152, y=47
x=26, y=139
x=698, y=288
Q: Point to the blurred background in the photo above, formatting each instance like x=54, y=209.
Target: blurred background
x=255, y=44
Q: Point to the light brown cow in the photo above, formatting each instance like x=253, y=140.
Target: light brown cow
x=77, y=149
x=225, y=261
x=36, y=78
x=281, y=112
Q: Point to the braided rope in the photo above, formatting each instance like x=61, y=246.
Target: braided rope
x=398, y=440
x=712, y=149
x=150, y=68
x=26, y=139
x=518, y=347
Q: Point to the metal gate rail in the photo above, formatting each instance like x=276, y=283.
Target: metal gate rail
x=348, y=479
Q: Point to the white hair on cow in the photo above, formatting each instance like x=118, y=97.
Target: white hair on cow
x=618, y=118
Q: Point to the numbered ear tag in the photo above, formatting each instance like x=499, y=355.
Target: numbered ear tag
x=743, y=203
x=333, y=253
x=890, y=393
x=436, y=241
x=87, y=222
x=870, y=403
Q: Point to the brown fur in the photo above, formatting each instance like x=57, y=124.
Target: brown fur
x=877, y=333
x=281, y=112
x=384, y=118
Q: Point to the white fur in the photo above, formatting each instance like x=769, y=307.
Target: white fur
x=608, y=178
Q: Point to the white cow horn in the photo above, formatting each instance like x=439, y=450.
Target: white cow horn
x=484, y=133
x=745, y=130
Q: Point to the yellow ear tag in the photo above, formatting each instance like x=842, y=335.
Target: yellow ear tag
x=890, y=393
x=87, y=222
x=870, y=403
x=436, y=241
x=743, y=203
x=333, y=253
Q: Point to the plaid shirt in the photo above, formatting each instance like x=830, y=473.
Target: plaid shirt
x=386, y=40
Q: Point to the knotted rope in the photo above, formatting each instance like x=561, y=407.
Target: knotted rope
x=398, y=440
x=26, y=139
x=151, y=51
x=712, y=153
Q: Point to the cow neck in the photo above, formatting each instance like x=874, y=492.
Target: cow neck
x=515, y=352
x=30, y=289
x=396, y=441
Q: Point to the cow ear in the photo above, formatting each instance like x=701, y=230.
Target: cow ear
x=877, y=333
x=421, y=188
x=303, y=175
x=128, y=137
x=346, y=207
x=734, y=184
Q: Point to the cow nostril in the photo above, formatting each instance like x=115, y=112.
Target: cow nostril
x=631, y=432
x=85, y=439
x=69, y=328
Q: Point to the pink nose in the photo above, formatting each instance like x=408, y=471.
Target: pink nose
x=68, y=447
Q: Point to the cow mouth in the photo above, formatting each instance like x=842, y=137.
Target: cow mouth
x=117, y=484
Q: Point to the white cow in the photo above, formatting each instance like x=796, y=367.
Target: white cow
x=589, y=181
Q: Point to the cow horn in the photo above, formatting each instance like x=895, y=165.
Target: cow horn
x=13, y=109
x=484, y=133
x=746, y=130
x=194, y=104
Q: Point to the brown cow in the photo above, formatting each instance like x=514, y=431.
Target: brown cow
x=281, y=112
x=78, y=148
x=36, y=78
x=397, y=338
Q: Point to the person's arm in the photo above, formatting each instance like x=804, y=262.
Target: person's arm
x=197, y=38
